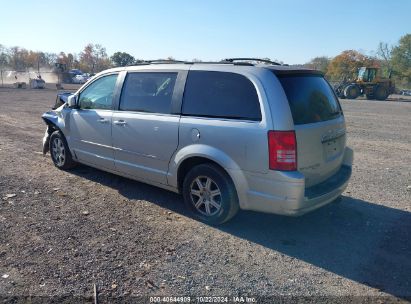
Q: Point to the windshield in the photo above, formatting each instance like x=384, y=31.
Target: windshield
x=311, y=98
x=361, y=73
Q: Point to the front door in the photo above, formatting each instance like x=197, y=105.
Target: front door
x=90, y=124
x=145, y=132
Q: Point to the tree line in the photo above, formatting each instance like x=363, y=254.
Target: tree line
x=392, y=59
x=92, y=59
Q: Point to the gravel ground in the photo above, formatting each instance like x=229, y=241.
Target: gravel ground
x=62, y=232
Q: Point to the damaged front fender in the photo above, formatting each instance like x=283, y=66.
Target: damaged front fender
x=55, y=122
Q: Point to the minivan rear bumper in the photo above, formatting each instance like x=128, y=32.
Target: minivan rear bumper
x=323, y=193
x=285, y=193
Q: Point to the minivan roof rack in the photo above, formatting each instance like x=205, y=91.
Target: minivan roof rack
x=233, y=60
x=167, y=61
x=162, y=61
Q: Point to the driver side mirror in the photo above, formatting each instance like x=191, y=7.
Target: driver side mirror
x=72, y=101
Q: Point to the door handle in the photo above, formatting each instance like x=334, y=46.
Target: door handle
x=102, y=120
x=120, y=122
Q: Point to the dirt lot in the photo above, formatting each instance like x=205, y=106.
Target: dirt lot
x=62, y=232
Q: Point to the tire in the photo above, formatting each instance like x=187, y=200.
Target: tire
x=339, y=92
x=352, y=91
x=60, y=152
x=380, y=93
x=198, y=187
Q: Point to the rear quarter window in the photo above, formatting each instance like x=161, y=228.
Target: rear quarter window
x=220, y=95
x=310, y=97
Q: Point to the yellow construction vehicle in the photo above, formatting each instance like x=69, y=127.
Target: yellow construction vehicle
x=369, y=83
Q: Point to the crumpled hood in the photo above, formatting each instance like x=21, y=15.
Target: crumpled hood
x=62, y=98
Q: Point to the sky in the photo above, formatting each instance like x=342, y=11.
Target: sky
x=292, y=31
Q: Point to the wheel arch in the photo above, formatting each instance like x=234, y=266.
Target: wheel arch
x=194, y=155
x=191, y=162
x=54, y=123
x=51, y=125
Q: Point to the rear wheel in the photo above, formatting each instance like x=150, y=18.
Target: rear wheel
x=210, y=195
x=352, y=91
x=59, y=151
x=380, y=93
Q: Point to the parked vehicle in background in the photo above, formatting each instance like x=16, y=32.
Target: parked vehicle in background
x=368, y=83
x=81, y=78
x=225, y=135
x=37, y=83
x=405, y=92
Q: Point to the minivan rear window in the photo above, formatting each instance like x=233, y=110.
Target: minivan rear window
x=311, y=98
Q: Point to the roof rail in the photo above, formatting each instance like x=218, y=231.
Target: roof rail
x=163, y=61
x=232, y=60
x=218, y=62
x=166, y=61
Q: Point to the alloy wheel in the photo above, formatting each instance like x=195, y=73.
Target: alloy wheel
x=59, y=152
x=205, y=195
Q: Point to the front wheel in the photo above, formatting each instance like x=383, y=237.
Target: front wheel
x=352, y=91
x=210, y=195
x=59, y=151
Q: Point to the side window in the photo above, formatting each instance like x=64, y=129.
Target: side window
x=99, y=94
x=149, y=92
x=220, y=94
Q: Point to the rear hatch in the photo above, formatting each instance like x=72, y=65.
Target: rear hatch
x=319, y=124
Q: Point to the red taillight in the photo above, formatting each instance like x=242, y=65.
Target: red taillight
x=282, y=150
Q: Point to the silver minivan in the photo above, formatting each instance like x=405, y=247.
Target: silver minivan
x=227, y=136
